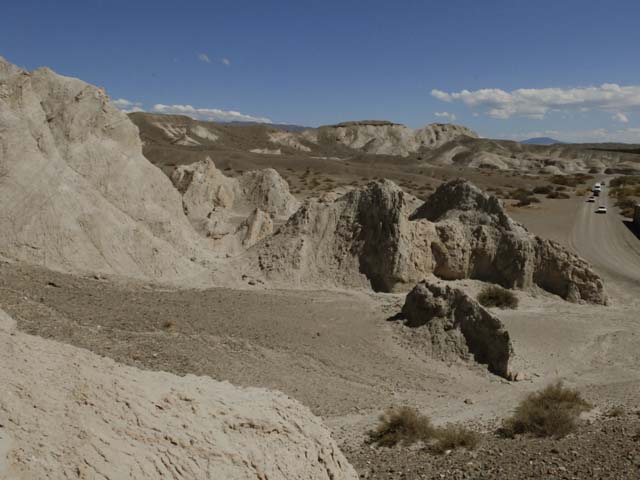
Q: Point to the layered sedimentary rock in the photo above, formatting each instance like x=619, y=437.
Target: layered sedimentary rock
x=386, y=138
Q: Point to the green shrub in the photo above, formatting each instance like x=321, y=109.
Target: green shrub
x=550, y=412
x=404, y=425
x=496, y=296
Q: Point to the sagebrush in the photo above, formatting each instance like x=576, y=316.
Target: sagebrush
x=550, y=412
x=496, y=296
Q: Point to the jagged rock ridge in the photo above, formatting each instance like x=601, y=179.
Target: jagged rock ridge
x=383, y=238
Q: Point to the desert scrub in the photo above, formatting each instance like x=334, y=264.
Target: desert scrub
x=496, y=296
x=626, y=191
x=558, y=195
x=543, y=190
x=404, y=426
x=571, y=180
x=550, y=412
x=455, y=436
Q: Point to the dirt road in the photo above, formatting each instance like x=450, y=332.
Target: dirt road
x=605, y=241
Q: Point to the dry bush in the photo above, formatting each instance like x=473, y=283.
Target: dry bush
x=558, y=195
x=519, y=193
x=455, y=436
x=524, y=202
x=550, y=412
x=496, y=296
x=543, y=190
x=615, y=412
x=571, y=180
x=625, y=181
x=168, y=324
x=404, y=426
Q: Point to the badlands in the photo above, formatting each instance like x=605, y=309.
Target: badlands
x=185, y=299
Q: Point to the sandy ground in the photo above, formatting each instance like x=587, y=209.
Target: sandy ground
x=338, y=353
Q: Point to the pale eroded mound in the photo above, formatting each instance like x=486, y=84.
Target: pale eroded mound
x=68, y=413
x=385, y=138
x=76, y=192
x=234, y=212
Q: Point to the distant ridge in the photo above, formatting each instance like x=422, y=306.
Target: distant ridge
x=282, y=126
x=541, y=141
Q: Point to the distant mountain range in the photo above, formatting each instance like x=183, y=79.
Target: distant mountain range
x=541, y=141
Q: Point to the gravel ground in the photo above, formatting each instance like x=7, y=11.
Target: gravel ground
x=606, y=448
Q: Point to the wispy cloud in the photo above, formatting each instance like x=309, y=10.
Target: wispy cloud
x=210, y=114
x=620, y=117
x=537, y=102
x=127, y=106
x=447, y=115
x=225, y=61
x=203, y=57
x=623, y=135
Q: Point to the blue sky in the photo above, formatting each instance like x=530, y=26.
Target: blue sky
x=507, y=69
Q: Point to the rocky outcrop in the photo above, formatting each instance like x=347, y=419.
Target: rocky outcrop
x=381, y=237
x=76, y=192
x=360, y=239
x=476, y=239
x=385, y=138
x=234, y=212
x=288, y=139
x=458, y=326
x=68, y=413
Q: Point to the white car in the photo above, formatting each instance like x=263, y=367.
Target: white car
x=601, y=209
x=591, y=199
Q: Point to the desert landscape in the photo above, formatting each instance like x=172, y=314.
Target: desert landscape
x=190, y=299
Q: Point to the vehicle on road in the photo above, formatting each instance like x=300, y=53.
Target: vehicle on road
x=601, y=209
x=591, y=199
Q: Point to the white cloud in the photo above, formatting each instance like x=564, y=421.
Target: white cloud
x=620, y=117
x=127, y=106
x=624, y=135
x=537, y=102
x=447, y=115
x=210, y=114
x=226, y=61
x=203, y=57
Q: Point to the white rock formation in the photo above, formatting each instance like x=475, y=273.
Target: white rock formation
x=386, y=138
x=76, y=193
x=236, y=212
x=288, y=139
x=68, y=413
x=383, y=238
